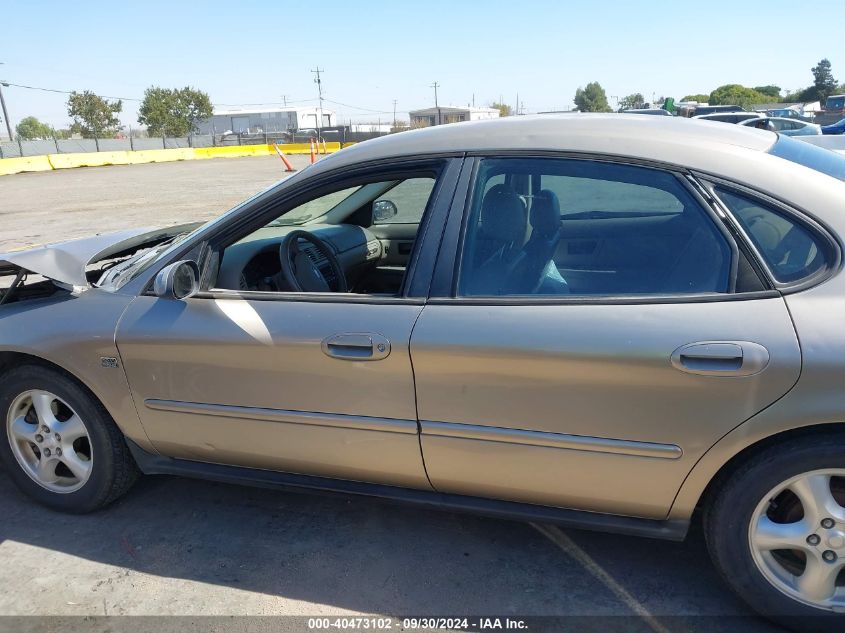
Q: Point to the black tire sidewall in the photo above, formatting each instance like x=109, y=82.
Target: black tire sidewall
x=93, y=493
x=727, y=523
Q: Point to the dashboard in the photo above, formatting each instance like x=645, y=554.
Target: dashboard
x=253, y=263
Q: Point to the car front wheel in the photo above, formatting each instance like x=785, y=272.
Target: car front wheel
x=776, y=532
x=61, y=447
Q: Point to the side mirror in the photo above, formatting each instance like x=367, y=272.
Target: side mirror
x=180, y=280
x=383, y=210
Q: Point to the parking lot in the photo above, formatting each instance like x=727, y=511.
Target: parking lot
x=195, y=548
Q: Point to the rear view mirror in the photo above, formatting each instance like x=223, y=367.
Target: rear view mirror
x=384, y=210
x=180, y=280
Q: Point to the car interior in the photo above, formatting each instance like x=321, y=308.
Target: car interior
x=536, y=227
x=552, y=227
x=357, y=239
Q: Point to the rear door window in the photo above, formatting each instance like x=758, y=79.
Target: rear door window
x=589, y=228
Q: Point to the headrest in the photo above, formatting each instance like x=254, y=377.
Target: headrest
x=545, y=213
x=503, y=214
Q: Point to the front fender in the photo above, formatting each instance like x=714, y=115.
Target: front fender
x=76, y=333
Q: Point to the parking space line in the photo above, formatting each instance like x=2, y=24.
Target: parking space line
x=571, y=549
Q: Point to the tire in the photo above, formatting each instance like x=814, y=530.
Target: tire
x=740, y=539
x=103, y=468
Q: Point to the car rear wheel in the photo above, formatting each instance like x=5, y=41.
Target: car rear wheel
x=776, y=532
x=61, y=446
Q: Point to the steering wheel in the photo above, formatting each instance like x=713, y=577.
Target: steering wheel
x=302, y=274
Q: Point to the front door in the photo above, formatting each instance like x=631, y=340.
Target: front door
x=253, y=374
x=604, y=330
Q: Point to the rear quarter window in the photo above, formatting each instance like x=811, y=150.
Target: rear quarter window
x=792, y=250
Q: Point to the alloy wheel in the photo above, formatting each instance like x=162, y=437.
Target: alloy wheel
x=797, y=538
x=49, y=441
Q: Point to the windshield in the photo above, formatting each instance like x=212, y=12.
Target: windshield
x=809, y=155
x=315, y=208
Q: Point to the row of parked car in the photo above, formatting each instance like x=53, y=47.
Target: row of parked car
x=786, y=121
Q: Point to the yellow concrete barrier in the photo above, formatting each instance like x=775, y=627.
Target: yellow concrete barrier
x=88, y=159
x=26, y=163
x=160, y=155
x=99, y=159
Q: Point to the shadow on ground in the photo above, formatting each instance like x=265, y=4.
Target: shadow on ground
x=362, y=555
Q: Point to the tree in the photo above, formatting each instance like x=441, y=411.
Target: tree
x=31, y=128
x=503, y=108
x=770, y=91
x=734, y=94
x=92, y=115
x=173, y=112
x=635, y=100
x=699, y=98
x=823, y=81
x=592, y=98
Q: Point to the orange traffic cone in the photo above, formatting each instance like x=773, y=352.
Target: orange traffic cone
x=288, y=166
x=313, y=151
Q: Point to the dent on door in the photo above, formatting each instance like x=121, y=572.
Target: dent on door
x=596, y=407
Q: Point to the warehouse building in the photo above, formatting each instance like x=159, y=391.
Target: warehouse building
x=442, y=115
x=267, y=120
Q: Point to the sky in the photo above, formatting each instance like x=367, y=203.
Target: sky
x=374, y=52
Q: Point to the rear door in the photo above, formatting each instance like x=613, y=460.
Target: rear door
x=597, y=382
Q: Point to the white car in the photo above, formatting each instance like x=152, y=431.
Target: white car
x=730, y=117
x=788, y=127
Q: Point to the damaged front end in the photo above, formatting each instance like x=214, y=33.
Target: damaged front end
x=76, y=265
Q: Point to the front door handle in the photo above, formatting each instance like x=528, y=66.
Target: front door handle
x=355, y=346
x=721, y=358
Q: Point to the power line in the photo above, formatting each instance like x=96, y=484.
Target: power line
x=229, y=105
x=288, y=101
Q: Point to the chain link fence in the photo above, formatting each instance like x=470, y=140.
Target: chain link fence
x=20, y=148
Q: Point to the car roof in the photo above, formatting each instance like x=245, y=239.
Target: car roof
x=713, y=115
x=783, y=118
x=671, y=139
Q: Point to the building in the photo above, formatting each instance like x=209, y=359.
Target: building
x=266, y=120
x=450, y=114
x=366, y=128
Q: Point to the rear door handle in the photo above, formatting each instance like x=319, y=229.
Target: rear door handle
x=721, y=358
x=355, y=346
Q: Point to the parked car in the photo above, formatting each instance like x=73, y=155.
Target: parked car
x=729, y=117
x=715, y=109
x=603, y=321
x=789, y=113
x=835, y=128
x=708, y=109
x=789, y=127
x=654, y=111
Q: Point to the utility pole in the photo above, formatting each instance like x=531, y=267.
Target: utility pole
x=436, y=85
x=5, y=112
x=285, y=100
x=394, y=113
x=320, y=94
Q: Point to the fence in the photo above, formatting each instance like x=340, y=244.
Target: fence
x=20, y=148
